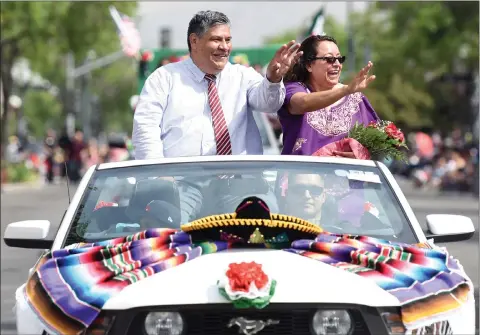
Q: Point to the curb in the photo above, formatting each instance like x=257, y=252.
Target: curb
x=13, y=187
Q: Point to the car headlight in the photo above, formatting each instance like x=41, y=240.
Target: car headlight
x=332, y=322
x=164, y=323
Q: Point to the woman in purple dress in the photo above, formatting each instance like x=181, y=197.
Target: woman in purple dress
x=318, y=109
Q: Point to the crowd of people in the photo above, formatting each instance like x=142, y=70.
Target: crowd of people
x=60, y=156
x=448, y=163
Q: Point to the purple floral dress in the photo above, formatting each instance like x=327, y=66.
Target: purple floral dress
x=305, y=134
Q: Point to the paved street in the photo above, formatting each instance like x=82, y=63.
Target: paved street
x=51, y=201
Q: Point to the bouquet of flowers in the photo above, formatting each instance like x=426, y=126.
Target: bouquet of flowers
x=378, y=140
x=381, y=138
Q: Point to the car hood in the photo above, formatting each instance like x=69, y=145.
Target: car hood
x=299, y=280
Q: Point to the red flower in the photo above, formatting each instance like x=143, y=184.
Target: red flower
x=392, y=131
x=241, y=275
x=372, y=124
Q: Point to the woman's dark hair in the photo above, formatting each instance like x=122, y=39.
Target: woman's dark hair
x=298, y=72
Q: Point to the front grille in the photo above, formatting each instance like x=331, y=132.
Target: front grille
x=215, y=321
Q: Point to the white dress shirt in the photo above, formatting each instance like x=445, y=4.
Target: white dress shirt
x=173, y=116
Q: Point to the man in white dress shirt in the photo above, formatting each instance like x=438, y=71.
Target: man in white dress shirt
x=203, y=105
x=173, y=117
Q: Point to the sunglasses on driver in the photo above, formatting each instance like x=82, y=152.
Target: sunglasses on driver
x=299, y=189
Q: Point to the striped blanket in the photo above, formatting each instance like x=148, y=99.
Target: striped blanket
x=69, y=287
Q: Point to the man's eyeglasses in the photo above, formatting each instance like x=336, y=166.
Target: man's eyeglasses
x=331, y=60
x=315, y=191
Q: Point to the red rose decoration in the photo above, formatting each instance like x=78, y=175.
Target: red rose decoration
x=241, y=275
x=392, y=131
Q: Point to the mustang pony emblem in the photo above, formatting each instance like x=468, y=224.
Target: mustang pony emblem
x=250, y=327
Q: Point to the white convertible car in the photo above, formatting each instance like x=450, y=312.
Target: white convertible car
x=313, y=295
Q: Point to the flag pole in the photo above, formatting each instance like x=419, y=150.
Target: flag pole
x=116, y=18
x=351, y=45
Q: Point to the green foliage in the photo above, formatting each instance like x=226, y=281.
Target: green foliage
x=409, y=42
x=43, y=33
x=19, y=173
x=377, y=142
x=41, y=110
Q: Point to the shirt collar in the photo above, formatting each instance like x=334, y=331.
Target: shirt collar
x=198, y=74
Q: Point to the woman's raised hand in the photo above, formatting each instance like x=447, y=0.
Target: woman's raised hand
x=361, y=80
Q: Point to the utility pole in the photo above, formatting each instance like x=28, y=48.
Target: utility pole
x=73, y=73
x=351, y=44
x=70, y=94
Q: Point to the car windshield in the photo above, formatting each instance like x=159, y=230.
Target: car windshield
x=340, y=198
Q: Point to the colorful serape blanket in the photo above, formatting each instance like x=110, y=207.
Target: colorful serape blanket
x=70, y=286
x=428, y=283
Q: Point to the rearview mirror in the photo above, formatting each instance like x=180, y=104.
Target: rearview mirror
x=449, y=228
x=30, y=234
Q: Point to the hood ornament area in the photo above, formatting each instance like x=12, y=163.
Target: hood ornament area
x=250, y=327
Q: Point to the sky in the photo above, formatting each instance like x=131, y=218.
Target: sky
x=252, y=22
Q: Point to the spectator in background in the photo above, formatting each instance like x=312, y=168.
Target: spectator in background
x=90, y=156
x=74, y=163
x=50, y=143
x=12, y=153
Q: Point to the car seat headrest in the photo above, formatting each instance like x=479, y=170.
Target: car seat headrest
x=152, y=189
x=164, y=214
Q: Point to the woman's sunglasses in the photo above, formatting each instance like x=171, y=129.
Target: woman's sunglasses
x=331, y=60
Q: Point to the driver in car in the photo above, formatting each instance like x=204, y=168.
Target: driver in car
x=305, y=197
x=336, y=205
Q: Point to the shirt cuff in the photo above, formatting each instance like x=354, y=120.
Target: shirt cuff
x=273, y=86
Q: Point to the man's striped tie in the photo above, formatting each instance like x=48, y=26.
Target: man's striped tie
x=220, y=129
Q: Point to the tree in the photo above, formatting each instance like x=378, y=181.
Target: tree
x=42, y=110
x=416, y=49
x=43, y=32
x=439, y=40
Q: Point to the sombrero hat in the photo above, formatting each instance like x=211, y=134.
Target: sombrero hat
x=252, y=224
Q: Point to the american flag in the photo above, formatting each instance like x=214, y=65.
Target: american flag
x=127, y=32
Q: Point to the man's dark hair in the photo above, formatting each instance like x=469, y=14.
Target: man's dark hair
x=299, y=72
x=202, y=21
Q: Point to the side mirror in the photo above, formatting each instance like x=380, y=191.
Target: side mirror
x=30, y=234
x=449, y=228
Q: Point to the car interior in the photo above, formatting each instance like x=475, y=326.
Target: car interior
x=223, y=197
